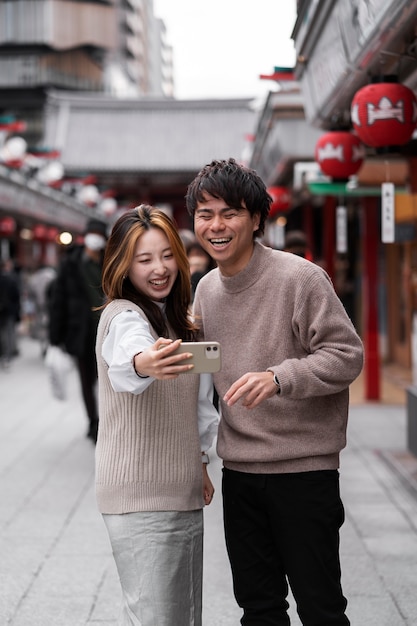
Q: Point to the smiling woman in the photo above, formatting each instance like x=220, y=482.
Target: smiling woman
x=154, y=268
x=156, y=425
x=256, y=36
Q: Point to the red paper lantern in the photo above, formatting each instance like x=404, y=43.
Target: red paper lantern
x=281, y=200
x=384, y=114
x=40, y=232
x=52, y=233
x=7, y=226
x=339, y=153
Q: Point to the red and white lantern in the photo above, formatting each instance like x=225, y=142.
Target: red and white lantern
x=384, y=114
x=340, y=154
x=281, y=200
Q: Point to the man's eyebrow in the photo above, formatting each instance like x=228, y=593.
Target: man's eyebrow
x=209, y=210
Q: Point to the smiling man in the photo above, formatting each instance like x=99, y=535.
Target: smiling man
x=289, y=353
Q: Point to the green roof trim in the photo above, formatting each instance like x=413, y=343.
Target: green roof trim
x=341, y=189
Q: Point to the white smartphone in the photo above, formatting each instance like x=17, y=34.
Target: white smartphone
x=206, y=356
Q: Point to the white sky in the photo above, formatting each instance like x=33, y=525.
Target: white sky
x=220, y=47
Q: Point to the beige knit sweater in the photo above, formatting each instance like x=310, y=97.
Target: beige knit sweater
x=148, y=455
x=281, y=313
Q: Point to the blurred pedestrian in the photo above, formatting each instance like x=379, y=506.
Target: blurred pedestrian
x=75, y=295
x=296, y=243
x=200, y=263
x=289, y=354
x=156, y=424
x=39, y=285
x=9, y=313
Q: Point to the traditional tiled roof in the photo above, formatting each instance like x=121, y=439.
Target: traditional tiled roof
x=97, y=133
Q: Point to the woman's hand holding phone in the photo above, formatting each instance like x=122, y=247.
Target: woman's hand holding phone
x=159, y=362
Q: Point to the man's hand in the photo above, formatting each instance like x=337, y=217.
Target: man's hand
x=159, y=362
x=253, y=388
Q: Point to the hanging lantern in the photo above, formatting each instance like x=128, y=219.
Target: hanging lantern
x=13, y=152
x=384, y=114
x=7, y=226
x=40, y=232
x=281, y=200
x=52, y=233
x=89, y=194
x=340, y=154
x=108, y=206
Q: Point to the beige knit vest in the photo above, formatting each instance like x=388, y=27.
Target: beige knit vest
x=148, y=455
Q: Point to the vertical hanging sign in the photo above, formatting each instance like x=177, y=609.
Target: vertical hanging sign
x=387, y=212
x=341, y=229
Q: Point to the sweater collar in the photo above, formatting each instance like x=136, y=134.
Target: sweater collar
x=250, y=274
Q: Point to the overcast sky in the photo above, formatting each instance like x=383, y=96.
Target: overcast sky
x=221, y=47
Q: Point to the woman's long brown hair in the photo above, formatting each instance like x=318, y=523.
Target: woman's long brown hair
x=118, y=257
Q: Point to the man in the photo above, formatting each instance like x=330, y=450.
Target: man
x=9, y=312
x=289, y=354
x=75, y=293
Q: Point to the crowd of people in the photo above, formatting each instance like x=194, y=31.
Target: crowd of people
x=121, y=304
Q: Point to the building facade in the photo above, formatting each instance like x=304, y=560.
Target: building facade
x=342, y=47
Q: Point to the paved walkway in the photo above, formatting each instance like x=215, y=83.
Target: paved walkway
x=56, y=567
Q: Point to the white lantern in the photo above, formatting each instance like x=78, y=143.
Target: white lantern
x=89, y=194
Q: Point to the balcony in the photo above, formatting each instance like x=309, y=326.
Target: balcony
x=57, y=24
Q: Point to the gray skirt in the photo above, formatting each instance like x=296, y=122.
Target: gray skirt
x=159, y=558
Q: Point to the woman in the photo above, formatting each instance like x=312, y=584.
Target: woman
x=151, y=477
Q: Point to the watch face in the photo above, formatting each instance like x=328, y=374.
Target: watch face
x=276, y=381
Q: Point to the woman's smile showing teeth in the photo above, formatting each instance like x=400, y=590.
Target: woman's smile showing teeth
x=160, y=282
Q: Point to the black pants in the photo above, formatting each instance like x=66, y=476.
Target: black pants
x=87, y=370
x=279, y=528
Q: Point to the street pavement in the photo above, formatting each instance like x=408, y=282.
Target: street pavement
x=56, y=567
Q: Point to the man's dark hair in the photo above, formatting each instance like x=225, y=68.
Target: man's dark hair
x=236, y=184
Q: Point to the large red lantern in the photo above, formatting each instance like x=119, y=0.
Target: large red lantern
x=340, y=154
x=281, y=200
x=384, y=114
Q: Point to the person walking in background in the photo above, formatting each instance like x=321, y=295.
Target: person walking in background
x=73, y=317
x=200, y=263
x=40, y=284
x=9, y=313
x=296, y=242
x=289, y=354
x=156, y=424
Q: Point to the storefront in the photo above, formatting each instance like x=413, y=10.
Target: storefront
x=342, y=47
x=33, y=218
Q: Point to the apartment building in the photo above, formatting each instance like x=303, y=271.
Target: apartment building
x=110, y=46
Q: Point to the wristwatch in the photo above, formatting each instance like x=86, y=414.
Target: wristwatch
x=276, y=381
x=205, y=458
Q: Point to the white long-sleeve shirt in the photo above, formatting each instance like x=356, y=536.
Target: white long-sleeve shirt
x=129, y=333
